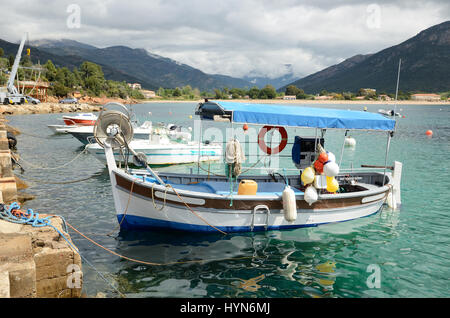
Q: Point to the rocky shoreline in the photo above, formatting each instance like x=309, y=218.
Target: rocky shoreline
x=47, y=108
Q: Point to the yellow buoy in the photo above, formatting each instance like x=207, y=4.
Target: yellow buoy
x=332, y=184
x=307, y=176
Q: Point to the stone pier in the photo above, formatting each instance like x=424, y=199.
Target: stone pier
x=35, y=262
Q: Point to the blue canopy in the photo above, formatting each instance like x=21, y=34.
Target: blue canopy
x=299, y=116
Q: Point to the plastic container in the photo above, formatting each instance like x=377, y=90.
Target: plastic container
x=247, y=187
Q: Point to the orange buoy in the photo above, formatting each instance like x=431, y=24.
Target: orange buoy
x=245, y=127
x=323, y=157
x=429, y=133
x=318, y=166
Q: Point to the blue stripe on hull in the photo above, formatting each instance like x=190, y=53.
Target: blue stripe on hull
x=132, y=222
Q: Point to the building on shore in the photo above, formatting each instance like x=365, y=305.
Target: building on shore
x=384, y=97
x=426, y=97
x=290, y=97
x=148, y=94
x=134, y=85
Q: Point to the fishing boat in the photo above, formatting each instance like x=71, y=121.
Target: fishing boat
x=146, y=199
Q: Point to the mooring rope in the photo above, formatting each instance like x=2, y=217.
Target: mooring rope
x=28, y=178
x=50, y=168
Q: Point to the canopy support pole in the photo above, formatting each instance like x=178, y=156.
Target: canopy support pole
x=386, y=156
x=342, y=149
x=200, y=139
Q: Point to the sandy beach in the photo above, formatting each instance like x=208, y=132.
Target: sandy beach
x=306, y=101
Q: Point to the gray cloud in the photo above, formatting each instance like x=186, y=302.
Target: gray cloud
x=233, y=37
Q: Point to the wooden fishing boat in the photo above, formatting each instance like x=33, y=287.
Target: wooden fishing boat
x=146, y=199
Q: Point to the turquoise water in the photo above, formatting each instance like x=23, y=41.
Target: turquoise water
x=391, y=254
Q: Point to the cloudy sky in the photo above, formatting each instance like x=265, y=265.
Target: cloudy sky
x=232, y=37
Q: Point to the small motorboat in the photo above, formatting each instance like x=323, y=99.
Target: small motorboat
x=71, y=121
x=389, y=112
x=82, y=119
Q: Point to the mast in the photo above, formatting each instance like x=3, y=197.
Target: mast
x=396, y=89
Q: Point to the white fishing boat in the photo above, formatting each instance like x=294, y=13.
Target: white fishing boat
x=146, y=199
x=160, y=150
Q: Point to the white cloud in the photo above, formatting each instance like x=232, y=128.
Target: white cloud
x=234, y=37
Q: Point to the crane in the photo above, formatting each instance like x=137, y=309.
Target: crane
x=13, y=95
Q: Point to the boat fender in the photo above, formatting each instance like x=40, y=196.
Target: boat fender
x=311, y=195
x=289, y=204
x=307, y=175
x=331, y=169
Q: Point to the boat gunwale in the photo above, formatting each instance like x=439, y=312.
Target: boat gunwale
x=274, y=197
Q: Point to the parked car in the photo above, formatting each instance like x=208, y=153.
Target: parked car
x=32, y=100
x=69, y=101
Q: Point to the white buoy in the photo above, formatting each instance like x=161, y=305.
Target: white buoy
x=311, y=195
x=350, y=141
x=331, y=169
x=331, y=156
x=289, y=204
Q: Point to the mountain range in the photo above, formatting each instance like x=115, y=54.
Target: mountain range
x=122, y=63
x=425, y=66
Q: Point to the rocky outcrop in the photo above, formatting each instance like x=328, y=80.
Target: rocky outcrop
x=38, y=262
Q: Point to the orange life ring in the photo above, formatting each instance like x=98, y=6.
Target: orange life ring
x=262, y=143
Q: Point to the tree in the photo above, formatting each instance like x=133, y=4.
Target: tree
x=176, y=92
x=268, y=92
x=1, y=52
x=253, y=92
x=10, y=61
x=93, y=77
x=60, y=90
x=219, y=94
x=50, y=73
x=292, y=90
